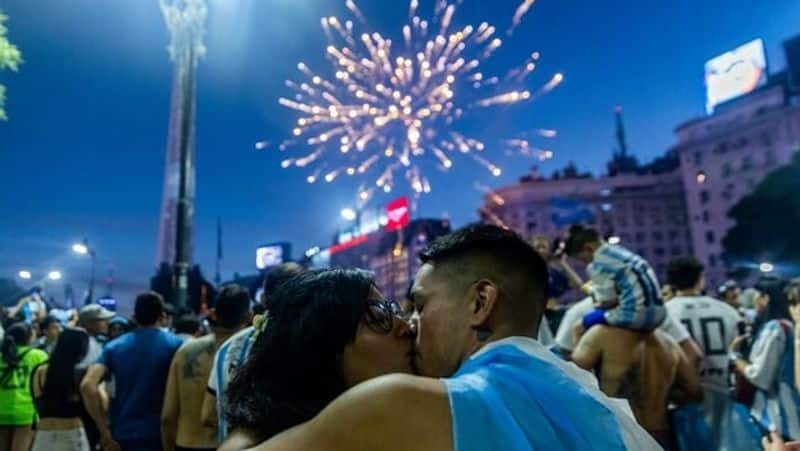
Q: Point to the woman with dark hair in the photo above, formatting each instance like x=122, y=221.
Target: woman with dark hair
x=770, y=366
x=326, y=332
x=17, y=361
x=56, y=393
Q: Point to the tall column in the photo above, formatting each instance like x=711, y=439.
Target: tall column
x=185, y=21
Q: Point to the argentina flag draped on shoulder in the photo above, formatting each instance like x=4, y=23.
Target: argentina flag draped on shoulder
x=515, y=395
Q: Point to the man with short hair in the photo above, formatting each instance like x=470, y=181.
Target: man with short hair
x=729, y=293
x=487, y=383
x=139, y=362
x=182, y=427
x=186, y=326
x=232, y=354
x=713, y=324
x=624, y=286
x=49, y=328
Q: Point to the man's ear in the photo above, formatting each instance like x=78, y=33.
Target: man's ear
x=484, y=303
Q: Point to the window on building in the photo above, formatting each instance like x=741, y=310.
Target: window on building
x=659, y=251
x=532, y=226
x=673, y=235
x=706, y=216
x=747, y=162
x=698, y=157
x=727, y=170
x=710, y=236
x=642, y=252
x=639, y=220
x=675, y=251
x=658, y=235
x=704, y=197
x=712, y=260
x=770, y=158
x=766, y=140
x=728, y=193
x=640, y=237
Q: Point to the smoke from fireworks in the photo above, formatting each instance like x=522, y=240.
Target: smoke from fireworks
x=386, y=107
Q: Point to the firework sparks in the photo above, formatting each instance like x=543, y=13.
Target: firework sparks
x=385, y=109
x=522, y=9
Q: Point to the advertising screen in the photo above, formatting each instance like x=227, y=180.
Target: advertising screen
x=398, y=212
x=269, y=256
x=735, y=73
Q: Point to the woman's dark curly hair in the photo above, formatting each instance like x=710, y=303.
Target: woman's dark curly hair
x=294, y=368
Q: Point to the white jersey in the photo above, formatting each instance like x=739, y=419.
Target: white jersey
x=713, y=325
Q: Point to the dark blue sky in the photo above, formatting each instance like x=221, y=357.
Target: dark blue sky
x=83, y=151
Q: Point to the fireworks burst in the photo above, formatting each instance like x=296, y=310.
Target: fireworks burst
x=385, y=108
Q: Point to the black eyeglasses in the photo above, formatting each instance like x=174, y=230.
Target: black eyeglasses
x=380, y=315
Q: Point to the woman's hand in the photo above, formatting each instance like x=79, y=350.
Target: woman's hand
x=777, y=443
x=737, y=342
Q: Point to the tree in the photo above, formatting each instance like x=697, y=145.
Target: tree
x=767, y=221
x=10, y=58
x=10, y=292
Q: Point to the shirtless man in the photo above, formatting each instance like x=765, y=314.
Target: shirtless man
x=647, y=369
x=182, y=426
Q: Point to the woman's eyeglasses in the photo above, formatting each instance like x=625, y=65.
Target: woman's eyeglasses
x=380, y=315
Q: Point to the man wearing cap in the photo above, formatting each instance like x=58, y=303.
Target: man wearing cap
x=94, y=318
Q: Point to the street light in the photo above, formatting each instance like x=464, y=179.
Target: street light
x=349, y=214
x=24, y=274
x=54, y=275
x=766, y=267
x=613, y=239
x=83, y=248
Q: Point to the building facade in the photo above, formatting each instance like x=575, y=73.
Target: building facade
x=391, y=256
x=725, y=155
x=647, y=213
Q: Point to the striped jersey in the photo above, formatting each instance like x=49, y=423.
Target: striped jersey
x=771, y=370
x=229, y=357
x=627, y=284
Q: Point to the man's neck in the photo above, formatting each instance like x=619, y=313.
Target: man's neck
x=692, y=292
x=221, y=334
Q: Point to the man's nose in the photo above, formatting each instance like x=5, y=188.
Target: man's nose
x=406, y=327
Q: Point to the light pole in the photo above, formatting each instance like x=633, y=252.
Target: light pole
x=83, y=248
x=185, y=21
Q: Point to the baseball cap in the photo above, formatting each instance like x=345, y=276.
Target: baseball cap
x=94, y=312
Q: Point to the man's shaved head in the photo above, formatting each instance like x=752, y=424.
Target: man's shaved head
x=489, y=252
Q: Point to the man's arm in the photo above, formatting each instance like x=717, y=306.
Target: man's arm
x=587, y=353
x=13, y=311
x=93, y=400
x=686, y=387
x=390, y=413
x=693, y=353
x=171, y=407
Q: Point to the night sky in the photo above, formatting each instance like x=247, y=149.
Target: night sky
x=83, y=151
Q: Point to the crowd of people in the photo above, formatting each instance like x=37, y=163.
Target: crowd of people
x=466, y=361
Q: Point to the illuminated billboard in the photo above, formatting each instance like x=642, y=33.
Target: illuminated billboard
x=398, y=212
x=271, y=255
x=735, y=73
